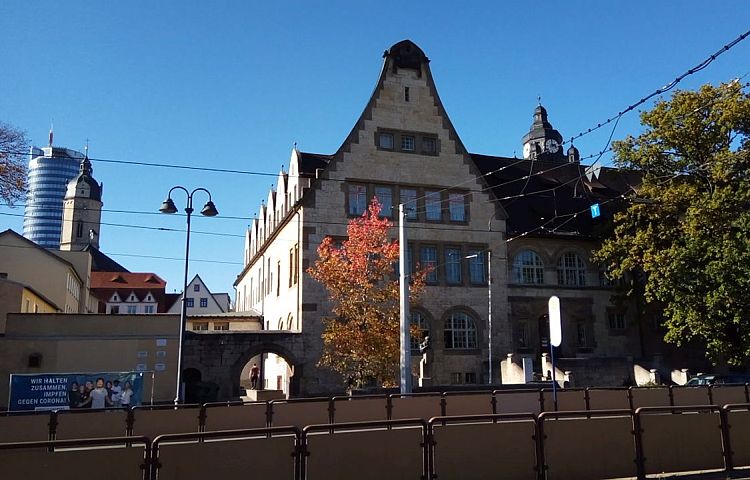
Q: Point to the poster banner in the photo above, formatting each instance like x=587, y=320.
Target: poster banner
x=62, y=391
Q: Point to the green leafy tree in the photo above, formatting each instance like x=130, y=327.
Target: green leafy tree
x=686, y=233
x=361, y=341
x=13, y=145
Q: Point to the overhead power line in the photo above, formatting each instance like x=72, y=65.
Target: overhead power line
x=705, y=63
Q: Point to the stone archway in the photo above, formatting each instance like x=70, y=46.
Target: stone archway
x=263, y=348
x=220, y=357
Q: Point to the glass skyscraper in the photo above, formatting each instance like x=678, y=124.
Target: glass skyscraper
x=50, y=170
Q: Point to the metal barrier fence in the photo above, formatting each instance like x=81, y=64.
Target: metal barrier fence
x=151, y=421
x=580, y=445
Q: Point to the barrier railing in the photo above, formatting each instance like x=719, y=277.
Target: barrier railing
x=258, y=453
x=679, y=439
x=116, y=458
x=365, y=450
x=584, y=444
x=481, y=446
x=587, y=444
x=155, y=420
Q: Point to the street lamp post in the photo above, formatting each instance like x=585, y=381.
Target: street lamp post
x=489, y=311
x=209, y=210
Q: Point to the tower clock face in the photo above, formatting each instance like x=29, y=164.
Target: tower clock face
x=552, y=145
x=527, y=150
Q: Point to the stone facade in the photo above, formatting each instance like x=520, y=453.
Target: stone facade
x=404, y=149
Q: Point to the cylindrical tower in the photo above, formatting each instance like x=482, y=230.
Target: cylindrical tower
x=50, y=170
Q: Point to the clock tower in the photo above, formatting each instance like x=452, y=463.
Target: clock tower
x=543, y=142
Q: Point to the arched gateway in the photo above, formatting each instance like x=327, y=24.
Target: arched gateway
x=220, y=356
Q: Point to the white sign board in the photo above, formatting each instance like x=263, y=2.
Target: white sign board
x=555, y=328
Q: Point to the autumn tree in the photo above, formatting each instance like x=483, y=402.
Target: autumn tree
x=686, y=232
x=13, y=148
x=361, y=340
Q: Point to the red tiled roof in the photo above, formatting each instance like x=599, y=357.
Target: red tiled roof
x=127, y=280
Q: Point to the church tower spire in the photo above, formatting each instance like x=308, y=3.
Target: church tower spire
x=82, y=210
x=542, y=142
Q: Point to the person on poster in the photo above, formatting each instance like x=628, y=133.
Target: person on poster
x=126, y=395
x=116, y=393
x=98, y=398
x=74, y=395
x=85, y=391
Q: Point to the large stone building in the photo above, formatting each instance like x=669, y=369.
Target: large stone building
x=528, y=220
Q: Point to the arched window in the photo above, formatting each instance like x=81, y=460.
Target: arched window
x=289, y=321
x=460, y=331
x=528, y=268
x=420, y=320
x=571, y=270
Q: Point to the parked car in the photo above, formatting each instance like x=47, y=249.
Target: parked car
x=711, y=379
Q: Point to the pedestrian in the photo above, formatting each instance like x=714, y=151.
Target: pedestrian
x=254, y=374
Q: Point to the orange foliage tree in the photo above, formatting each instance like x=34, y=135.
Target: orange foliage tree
x=361, y=340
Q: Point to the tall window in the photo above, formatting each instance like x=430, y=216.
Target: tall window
x=79, y=229
x=432, y=206
x=418, y=319
x=148, y=309
x=528, y=268
x=385, y=197
x=132, y=309
x=522, y=334
x=291, y=266
x=453, y=265
x=582, y=334
x=571, y=270
x=616, y=320
x=357, y=199
x=296, y=263
x=457, y=207
x=428, y=259
x=204, y=302
x=477, y=269
x=409, y=199
x=460, y=331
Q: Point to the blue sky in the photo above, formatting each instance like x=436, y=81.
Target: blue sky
x=233, y=84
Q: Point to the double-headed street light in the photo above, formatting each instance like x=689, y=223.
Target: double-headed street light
x=209, y=210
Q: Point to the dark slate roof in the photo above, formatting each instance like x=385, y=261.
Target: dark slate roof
x=170, y=299
x=309, y=162
x=553, y=197
x=101, y=262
